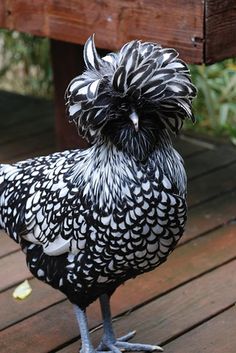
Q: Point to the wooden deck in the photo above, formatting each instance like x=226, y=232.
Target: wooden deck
x=187, y=305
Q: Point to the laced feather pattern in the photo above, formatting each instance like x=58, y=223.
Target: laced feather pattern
x=88, y=220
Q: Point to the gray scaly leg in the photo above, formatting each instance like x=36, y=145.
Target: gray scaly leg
x=81, y=317
x=109, y=342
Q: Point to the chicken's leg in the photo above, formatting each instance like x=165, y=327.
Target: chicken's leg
x=109, y=342
x=81, y=317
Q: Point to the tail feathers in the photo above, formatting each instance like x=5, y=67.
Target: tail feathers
x=3, y=181
x=12, y=204
x=3, y=184
x=4, y=169
x=1, y=173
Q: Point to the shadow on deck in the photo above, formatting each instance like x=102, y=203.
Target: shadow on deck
x=186, y=305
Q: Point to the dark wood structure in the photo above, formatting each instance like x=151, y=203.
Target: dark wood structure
x=203, y=31
x=187, y=304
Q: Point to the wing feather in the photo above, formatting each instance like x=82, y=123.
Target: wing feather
x=36, y=202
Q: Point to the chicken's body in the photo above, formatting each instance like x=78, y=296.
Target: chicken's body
x=88, y=220
x=126, y=223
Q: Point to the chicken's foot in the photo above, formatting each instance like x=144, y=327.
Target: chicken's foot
x=110, y=343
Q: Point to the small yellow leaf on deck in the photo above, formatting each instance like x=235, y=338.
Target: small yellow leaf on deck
x=22, y=291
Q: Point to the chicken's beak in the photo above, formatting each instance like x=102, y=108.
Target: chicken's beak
x=134, y=118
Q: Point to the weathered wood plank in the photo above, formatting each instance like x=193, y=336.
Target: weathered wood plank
x=13, y=270
x=33, y=145
x=187, y=149
x=214, y=336
x=7, y=245
x=210, y=215
x=220, y=29
x=211, y=185
x=27, y=124
x=20, y=132
x=208, y=161
x=28, y=128
x=64, y=71
x=18, y=109
x=113, y=22
x=195, y=28
x=42, y=332
x=13, y=310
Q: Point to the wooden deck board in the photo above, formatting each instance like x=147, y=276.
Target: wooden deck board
x=209, y=215
x=7, y=246
x=13, y=270
x=182, y=302
x=211, y=185
x=43, y=297
x=219, y=157
x=214, y=336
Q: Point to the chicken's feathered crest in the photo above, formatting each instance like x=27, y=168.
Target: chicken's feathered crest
x=141, y=73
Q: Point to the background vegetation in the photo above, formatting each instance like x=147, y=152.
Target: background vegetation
x=25, y=64
x=215, y=106
x=25, y=68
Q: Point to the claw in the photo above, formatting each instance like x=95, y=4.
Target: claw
x=127, y=337
x=138, y=347
x=158, y=348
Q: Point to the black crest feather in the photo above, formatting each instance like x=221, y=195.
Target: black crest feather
x=138, y=72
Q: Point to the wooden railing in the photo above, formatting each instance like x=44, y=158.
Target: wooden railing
x=203, y=31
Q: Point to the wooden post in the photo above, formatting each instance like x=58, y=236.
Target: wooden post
x=67, y=62
x=220, y=29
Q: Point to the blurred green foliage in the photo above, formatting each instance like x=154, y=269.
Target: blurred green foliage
x=25, y=64
x=215, y=105
x=25, y=68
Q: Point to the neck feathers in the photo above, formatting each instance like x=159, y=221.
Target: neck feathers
x=105, y=174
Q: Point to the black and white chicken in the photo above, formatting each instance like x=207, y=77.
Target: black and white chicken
x=88, y=220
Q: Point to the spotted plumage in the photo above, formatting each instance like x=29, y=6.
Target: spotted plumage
x=88, y=220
